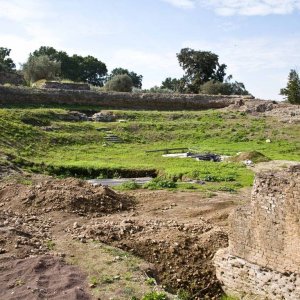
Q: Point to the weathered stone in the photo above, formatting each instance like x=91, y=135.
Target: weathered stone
x=66, y=86
x=25, y=95
x=263, y=257
x=104, y=116
x=11, y=78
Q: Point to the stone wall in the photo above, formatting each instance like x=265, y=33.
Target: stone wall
x=11, y=78
x=263, y=257
x=113, y=100
x=65, y=86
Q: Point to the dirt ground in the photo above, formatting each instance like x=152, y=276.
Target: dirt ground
x=169, y=237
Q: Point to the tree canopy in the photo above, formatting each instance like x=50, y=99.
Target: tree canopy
x=136, y=79
x=176, y=85
x=200, y=67
x=203, y=74
x=292, y=90
x=6, y=63
x=77, y=68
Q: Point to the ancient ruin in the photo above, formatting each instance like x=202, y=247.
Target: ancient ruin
x=66, y=86
x=263, y=257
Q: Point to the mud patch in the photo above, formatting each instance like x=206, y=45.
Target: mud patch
x=42, y=277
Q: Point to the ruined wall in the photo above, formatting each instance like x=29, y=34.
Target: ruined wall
x=263, y=257
x=65, y=86
x=11, y=78
x=35, y=96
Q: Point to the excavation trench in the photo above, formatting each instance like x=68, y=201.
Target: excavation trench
x=85, y=172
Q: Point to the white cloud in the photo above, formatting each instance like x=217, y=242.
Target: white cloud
x=242, y=7
x=187, y=4
x=252, y=7
x=254, y=54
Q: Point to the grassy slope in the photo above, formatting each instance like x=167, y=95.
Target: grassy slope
x=81, y=145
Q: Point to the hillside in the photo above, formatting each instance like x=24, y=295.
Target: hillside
x=54, y=140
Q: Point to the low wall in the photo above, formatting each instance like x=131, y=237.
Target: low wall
x=263, y=257
x=34, y=96
x=11, y=78
x=66, y=86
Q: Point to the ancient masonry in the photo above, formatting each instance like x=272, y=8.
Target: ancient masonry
x=56, y=93
x=263, y=257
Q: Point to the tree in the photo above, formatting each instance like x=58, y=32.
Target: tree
x=77, y=68
x=136, y=79
x=119, y=83
x=214, y=87
x=292, y=90
x=40, y=67
x=238, y=88
x=91, y=70
x=6, y=63
x=200, y=67
x=176, y=85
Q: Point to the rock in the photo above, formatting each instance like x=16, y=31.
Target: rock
x=75, y=225
x=104, y=116
x=74, y=116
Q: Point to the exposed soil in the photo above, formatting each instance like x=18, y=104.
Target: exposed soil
x=41, y=277
x=178, y=232
x=70, y=195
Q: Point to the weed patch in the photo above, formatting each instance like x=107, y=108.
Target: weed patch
x=160, y=183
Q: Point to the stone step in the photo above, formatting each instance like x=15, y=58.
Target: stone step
x=113, y=139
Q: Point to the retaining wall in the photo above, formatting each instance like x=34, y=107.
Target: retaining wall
x=263, y=257
x=11, y=78
x=34, y=96
x=66, y=86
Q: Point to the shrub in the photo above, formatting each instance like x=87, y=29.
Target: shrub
x=129, y=185
x=160, y=183
x=40, y=67
x=119, y=83
x=159, y=90
x=215, y=88
x=155, y=296
x=183, y=294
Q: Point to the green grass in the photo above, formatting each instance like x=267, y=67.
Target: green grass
x=79, y=148
x=129, y=185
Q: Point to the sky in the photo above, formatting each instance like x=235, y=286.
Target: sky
x=259, y=40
